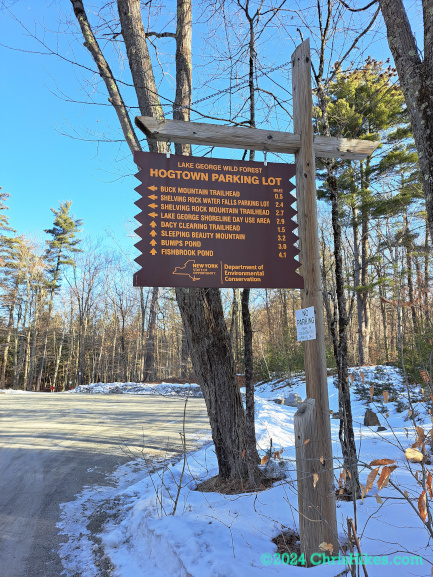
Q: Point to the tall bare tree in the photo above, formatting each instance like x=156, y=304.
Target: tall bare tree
x=415, y=71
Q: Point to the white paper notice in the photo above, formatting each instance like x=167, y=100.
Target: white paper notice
x=306, y=324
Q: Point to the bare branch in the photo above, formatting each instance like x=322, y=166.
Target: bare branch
x=161, y=34
x=358, y=9
x=104, y=70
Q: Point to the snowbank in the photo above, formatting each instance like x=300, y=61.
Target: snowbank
x=214, y=535
x=165, y=389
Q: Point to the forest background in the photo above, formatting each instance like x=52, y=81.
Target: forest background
x=69, y=314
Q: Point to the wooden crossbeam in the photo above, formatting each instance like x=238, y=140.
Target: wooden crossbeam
x=183, y=132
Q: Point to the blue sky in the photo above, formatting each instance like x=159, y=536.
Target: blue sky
x=40, y=166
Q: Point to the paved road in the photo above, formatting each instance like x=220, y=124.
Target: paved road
x=54, y=444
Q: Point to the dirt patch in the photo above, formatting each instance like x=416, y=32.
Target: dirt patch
x=233, y=486
x=288, y=542
x=108, y=510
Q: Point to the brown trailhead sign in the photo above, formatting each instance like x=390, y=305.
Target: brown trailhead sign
x=215, y=223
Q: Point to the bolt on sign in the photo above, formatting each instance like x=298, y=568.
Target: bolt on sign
x=215, y=223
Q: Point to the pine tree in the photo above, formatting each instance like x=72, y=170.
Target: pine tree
x=367, y=104
x=61, y=248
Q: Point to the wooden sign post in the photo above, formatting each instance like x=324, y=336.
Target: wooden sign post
x=316, y=496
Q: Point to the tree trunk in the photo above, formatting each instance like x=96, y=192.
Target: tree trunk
x=143, y=309
x=357, y=278
x=416, y=81
x=365, y=327
x=58, y=357
x=8, y=338
x=409, y=272
x=426, y=276
x=149, y=365
x=384, y=317
x=234, y=325
x=184, y=354
x=211, y=355
x=81, y=367
x=32, y=361
x=182, y=103
x=252, y=454
x=112, y=377
x=140, y=64
x=44, y=347
x=346, y=434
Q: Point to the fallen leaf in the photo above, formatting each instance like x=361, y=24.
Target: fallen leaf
x=326, y=547
x=422, y=503
x=378, y=499
x=363, y=380
x=413, y=455
x=378, y=462
x=341, y=491
x=243, y=453
x=370, y=479
x=371, y=392
x=264, y=460
x=315, y=479
x=386, y=396
x=307, y=441
x=261, y=486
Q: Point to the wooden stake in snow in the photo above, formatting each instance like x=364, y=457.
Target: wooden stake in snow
x=316, y=500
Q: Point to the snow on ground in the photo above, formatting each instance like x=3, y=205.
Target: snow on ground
x=166, y=389
x=214, y=535
x=14, y=392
